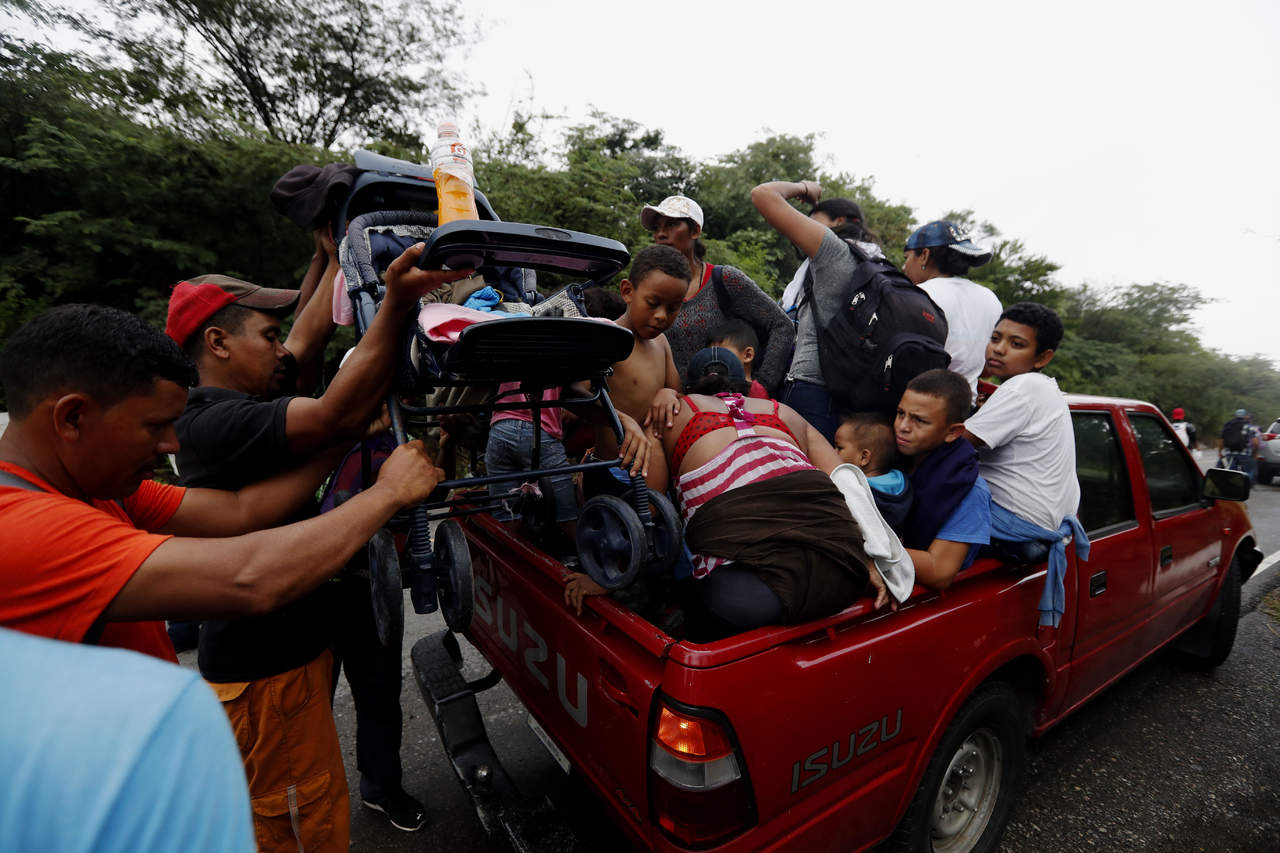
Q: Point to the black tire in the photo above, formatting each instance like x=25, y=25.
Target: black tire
x=611, y=541
x=1208, y=643
x=455, y=585
x=386, y=588
x=668, y=533
x=950, y=813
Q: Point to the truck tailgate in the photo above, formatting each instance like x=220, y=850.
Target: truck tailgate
x=588, y=681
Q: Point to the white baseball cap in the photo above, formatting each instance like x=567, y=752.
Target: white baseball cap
x=672, y=207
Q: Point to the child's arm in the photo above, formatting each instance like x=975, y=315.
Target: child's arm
x=634, y=450
x=313, y=324
x=666, y=403
x=936, y=568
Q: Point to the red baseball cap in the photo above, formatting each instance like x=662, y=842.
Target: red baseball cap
x=196, y=300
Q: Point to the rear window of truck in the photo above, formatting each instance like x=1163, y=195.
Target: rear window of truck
x=1106, y=500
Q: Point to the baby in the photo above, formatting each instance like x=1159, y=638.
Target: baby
x=866, y=440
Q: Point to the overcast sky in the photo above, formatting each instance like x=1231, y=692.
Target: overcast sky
x=1128, y=141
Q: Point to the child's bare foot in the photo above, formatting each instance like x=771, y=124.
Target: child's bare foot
x=579, y=586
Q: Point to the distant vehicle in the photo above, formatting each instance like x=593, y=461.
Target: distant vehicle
x=1269, y=453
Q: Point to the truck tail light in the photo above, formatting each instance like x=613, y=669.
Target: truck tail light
x=1269, y=436
x=699, y=791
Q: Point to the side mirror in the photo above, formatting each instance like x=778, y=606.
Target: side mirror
x=1222, y=484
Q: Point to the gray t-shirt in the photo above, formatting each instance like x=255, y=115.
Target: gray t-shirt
x=831, y=267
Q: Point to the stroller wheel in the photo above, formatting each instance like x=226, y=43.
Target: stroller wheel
x=611, y=541
x=668, y=533
x=454, y=582
x=386, y=588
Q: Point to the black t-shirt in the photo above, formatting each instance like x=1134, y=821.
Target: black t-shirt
x=228, y=440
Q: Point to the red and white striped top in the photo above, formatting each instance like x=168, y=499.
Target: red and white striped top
x=749, y=458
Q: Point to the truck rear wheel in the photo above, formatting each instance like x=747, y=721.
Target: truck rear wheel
x=1208, y=643
x=968, y=790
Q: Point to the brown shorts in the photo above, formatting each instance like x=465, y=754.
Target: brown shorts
x=297, y=784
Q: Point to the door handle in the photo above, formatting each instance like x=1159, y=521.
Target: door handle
x=1166, y=556
x=614, y=688
x=1097, y=584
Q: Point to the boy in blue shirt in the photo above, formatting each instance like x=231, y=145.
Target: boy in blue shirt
x=950, y=514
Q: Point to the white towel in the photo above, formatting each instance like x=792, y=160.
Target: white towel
x=878, y=539
x=795, y=288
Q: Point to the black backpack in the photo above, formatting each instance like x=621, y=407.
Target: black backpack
x=889, y=332
x=1233, y=435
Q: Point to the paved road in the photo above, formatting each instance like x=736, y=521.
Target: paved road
x=1166, y=760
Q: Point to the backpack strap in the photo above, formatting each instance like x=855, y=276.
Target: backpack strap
x=859, y=254
x=722, y=292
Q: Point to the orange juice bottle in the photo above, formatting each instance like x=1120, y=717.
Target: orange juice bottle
x=454, y=176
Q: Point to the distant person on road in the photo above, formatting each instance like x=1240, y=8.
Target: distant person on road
x=716, y=294
x=1185, y=430
x=1235, y=443
x=938, y=255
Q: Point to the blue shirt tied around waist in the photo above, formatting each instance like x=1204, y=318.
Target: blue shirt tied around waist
x=1011, y=527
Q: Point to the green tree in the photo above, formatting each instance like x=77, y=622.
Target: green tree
x=305, y=73
x=100, y=208
x=735, y=228
x=1013, y=274
x=1145, y=318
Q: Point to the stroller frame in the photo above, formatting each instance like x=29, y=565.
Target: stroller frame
x=617, y=537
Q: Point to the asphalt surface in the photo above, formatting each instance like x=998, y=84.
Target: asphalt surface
x=1167, y=759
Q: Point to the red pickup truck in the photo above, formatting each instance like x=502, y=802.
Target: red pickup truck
x=842, y=733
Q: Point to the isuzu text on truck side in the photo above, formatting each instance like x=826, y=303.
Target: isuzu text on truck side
x=838, y=734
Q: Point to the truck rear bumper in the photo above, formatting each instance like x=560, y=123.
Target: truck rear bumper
x=523, y=823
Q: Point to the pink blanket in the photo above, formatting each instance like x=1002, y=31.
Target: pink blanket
x=443, y=321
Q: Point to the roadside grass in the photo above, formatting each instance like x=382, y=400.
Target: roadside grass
x=1270, y=605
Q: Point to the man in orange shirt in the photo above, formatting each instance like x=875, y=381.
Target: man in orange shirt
x=91, y=549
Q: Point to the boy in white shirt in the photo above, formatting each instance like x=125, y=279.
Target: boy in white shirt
x=1027, y=450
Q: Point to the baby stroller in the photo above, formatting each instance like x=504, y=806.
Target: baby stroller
x=555, y=346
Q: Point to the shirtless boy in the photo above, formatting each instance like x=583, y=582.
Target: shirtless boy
x=653, y=294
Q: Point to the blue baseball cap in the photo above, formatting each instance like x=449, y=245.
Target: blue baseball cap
x=715, y=360
x=944, y=233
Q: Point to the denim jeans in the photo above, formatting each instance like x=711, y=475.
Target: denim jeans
x=510, y=451
x=814, y=404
